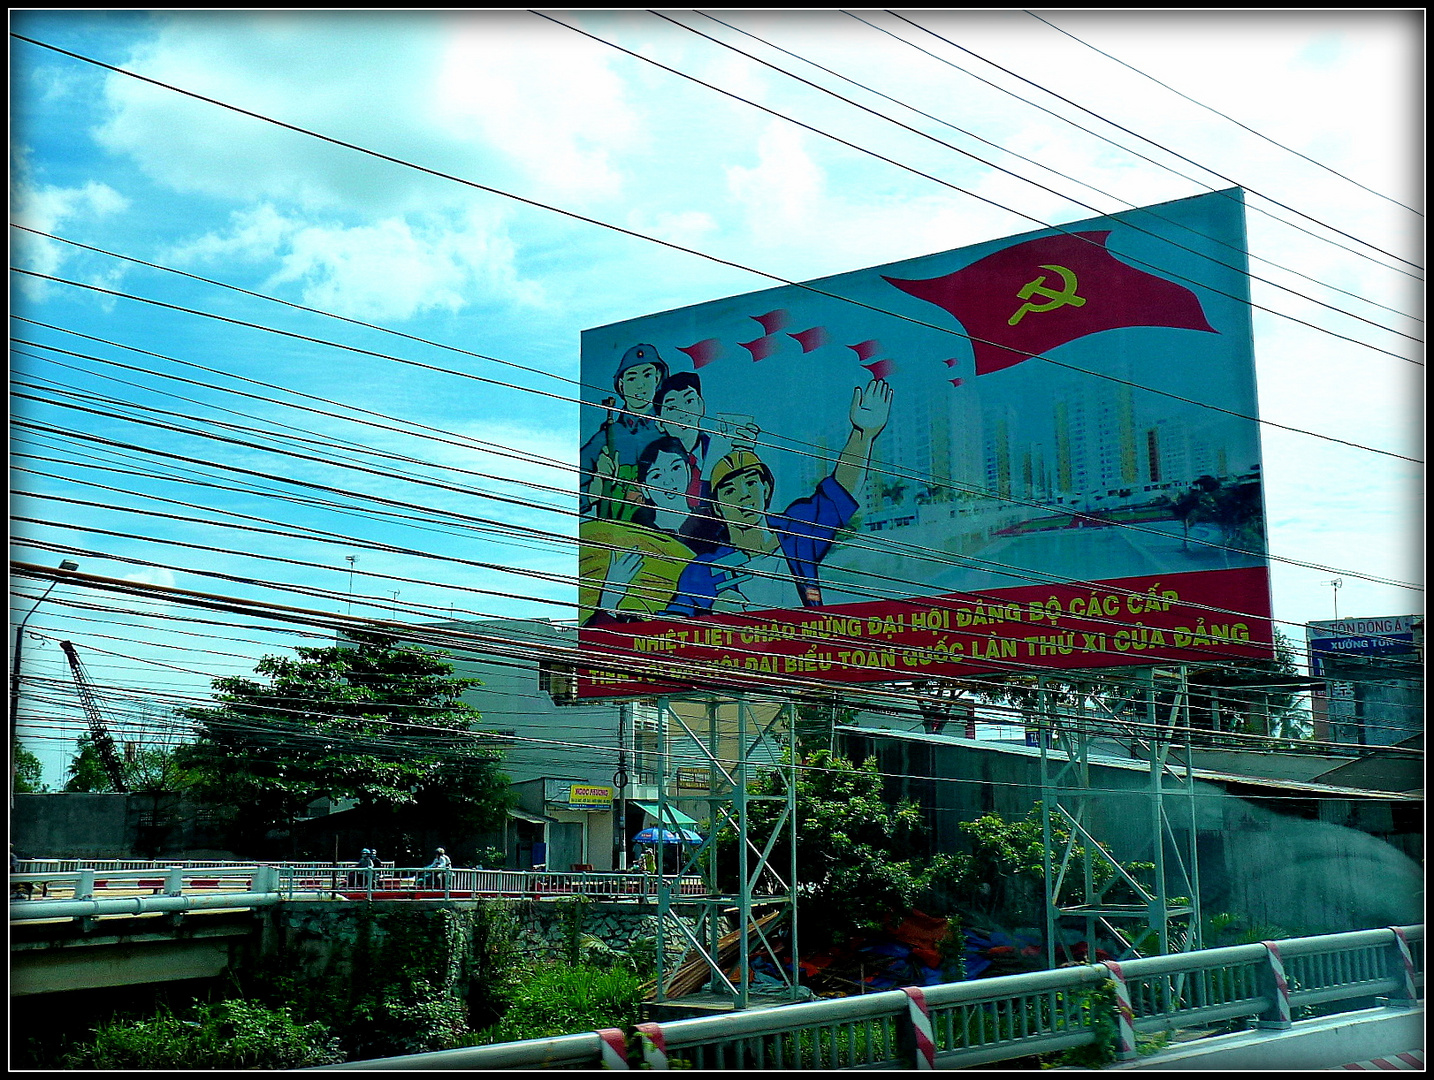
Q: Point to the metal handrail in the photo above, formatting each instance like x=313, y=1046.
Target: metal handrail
x=985, y=1020
x=570, y=1051
x=508, y=882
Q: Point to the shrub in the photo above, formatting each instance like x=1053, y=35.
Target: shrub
x=229, y=1035
x=413, y=1019
x=565, y=1000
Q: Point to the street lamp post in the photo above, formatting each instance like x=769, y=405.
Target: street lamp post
x=15, y=673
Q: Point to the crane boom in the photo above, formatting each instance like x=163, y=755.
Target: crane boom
x=99, y=733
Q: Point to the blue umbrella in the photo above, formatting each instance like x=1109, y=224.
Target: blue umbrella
x=654, y=835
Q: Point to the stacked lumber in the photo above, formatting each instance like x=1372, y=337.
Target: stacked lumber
x=693, y=973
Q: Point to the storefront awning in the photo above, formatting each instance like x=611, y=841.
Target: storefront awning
x=531, y=819
x=674, y=815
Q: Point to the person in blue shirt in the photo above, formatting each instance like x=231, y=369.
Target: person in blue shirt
x=772, y=560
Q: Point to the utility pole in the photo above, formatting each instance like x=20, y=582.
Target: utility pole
x=351, y=559
x=619, y=781
x=66, y=565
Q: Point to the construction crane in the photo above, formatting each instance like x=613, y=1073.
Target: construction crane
x=99, y=733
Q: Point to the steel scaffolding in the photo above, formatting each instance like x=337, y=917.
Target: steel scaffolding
x=1069, y=721
x=746, y=757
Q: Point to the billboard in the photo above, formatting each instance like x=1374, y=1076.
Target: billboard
x=1342, y=639
x=1038, y=452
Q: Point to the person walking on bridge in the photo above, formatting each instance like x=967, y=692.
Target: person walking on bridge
x=442, y=864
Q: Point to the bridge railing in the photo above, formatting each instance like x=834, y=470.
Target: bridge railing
x=421, y=882
x=965, y=1024
x=85, y=883
x=83, y=879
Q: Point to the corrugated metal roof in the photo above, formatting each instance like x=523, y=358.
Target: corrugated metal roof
x=1306, y=787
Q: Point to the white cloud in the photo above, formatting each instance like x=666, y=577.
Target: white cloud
x=55, y=210
x=548, y=102
x=781, y=191
x=389, y=268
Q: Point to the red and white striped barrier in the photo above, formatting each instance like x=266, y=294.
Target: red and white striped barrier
x=1124, y=1014
x=1281, y=1015
x=1412, y=1060
x=654, y=1045
x=920, y=1017
x=614, y=1048
x=1402, y=943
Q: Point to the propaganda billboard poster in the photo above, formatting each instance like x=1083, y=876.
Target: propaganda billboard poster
x=1034, y=453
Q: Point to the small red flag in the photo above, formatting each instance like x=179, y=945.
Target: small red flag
x=1030, y=297
x=760, y=348
x=811, y=339
x=703, y=352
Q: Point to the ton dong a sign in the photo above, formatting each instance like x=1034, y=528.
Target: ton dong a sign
x=1035, y=453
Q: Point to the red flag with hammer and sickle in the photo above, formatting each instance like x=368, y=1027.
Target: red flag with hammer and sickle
x=1022, y=300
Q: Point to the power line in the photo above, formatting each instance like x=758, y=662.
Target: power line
x=531, y=202
x=1152, y=142
x=1225, y=116
x=865, y=541
x=1167, y=728
x=1047, y=168
x=1049, y=190
x=580, y=658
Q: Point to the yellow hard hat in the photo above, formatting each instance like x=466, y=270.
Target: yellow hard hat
x=736, y=462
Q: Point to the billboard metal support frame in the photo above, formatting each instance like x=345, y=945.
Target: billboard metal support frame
x=1069, y=729
x=761, y=749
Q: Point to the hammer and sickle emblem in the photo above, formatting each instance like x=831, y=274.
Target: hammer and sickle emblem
x=1055, y=298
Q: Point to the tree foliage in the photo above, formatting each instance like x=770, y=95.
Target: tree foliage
x=86, y=771
x=29, y=772
x=372, y=722
x=860, y=859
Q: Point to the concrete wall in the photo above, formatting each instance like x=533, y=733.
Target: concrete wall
x=78, y=825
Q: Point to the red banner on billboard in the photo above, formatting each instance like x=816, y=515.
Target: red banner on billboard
x=1212, y=616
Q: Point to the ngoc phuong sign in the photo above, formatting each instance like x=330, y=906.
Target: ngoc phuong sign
x=589, y=797
x=1037, y=452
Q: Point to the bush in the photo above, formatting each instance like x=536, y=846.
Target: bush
x=229, y=1035
x=413, y=1019
x=565, y=1000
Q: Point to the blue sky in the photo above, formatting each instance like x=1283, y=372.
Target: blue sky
x=515, y=102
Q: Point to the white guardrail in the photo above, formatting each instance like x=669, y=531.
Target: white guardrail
x=957, y=1025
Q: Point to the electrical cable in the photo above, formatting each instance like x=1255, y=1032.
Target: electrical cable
x=1056, y=172
x=1059, y=509
x=1152, y=142
x=492, y=190
x=925, y=588
x=864, y=733
x=552, y=536
x=377, y=604
x=966, y=191
x=1049, y=190
x=582, y=659
x=1225, y=116
x=911, y=475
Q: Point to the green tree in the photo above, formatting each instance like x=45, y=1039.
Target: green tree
x=86, y=771
x=148, y=768
x=1253, y=697
x=859, y=858
x=374, y=722
x=29, y=773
